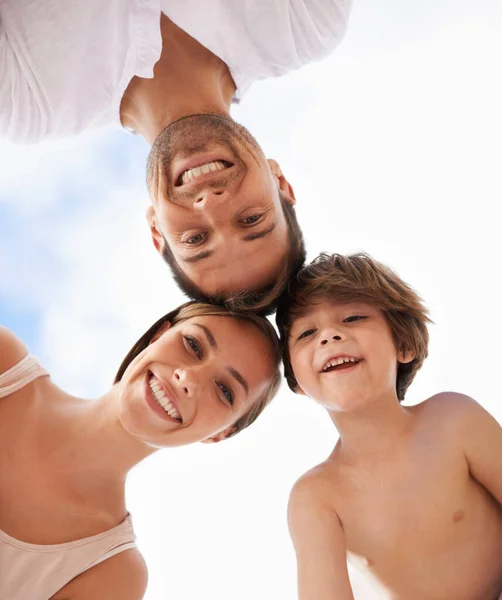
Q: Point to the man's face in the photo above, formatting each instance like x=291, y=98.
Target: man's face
x=216, y=204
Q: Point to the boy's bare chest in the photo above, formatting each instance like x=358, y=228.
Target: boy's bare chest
x=421, y=520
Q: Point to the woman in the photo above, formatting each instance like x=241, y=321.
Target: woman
x=193, y=376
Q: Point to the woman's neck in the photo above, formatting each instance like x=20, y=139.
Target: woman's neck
x=84, y=442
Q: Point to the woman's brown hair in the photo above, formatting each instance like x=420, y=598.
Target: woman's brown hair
x=358, y=277
x=199, y=309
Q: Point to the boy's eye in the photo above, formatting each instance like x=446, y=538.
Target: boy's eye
x=194, y=240
x=194, y=345
x=227, y=392
x=354, y=318
x=305, y=334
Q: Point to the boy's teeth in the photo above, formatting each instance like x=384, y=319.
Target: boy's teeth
x=339, y=361
x=190, y=174
x=162, y=399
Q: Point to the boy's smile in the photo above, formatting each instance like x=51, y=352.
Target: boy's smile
x=343, y=354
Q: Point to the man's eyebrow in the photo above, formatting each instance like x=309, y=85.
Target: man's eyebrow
x=209, y=336
x=197, y=257
x=238, y=377
x=260, y=234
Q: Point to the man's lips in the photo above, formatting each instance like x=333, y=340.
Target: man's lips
x=180, y=167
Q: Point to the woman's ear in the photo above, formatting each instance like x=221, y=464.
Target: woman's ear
x=165, y=326
x=220, y=436
x=405, y=356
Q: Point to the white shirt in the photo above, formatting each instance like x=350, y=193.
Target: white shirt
x=65, y=64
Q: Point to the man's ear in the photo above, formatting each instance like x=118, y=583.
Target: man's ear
x=157, y=237
x=283, y=183
x=405, y=356
x=218, y=437
x=160, y=332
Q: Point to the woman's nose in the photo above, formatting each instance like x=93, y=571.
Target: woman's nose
x=184, y=382
x=329, y=336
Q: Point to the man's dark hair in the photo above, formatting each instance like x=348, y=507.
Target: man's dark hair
x=263, y=300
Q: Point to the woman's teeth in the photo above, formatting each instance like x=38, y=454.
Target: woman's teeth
x=162, y=399
x=190, y=174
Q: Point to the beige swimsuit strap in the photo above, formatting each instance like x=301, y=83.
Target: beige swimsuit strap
x=24, y=372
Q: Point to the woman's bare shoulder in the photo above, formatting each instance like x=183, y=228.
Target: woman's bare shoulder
x=12, y=349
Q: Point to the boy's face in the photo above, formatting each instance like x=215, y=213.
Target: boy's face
x=343, y=354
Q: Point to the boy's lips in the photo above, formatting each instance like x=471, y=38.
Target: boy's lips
x=339, y=362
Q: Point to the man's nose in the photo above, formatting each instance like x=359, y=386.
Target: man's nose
x=211, y=200
x=329, y=336
x=184, y=382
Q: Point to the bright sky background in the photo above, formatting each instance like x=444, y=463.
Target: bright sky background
x=394, y=147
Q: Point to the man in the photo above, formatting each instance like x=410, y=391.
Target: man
x=222, y=216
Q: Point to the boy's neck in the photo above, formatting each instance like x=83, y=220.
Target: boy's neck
x=373, y=431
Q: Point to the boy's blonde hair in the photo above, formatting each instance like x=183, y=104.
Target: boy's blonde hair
x=358, y=277
x=199, y=309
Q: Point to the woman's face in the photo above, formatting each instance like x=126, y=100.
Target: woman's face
x=194, y=381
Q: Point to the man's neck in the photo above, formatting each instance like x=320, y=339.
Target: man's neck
x=188, y=79
x=374, y=431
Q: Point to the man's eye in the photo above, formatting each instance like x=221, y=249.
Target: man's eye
x=195, y=240
x=194, y=345
x=307, y=333
x=251, y=220
x=227, y=392
x=354, y=318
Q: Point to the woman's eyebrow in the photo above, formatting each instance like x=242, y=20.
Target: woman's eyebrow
x=209, y=336
x=239, y=378
x=212, y=342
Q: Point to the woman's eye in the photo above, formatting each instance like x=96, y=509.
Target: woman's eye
x=194, y=240
x=227, y=393
x=306, y=333
x=354, y=318
x=251, y=220
x=194, y=345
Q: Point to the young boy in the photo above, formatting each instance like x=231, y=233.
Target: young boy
x=410, y=495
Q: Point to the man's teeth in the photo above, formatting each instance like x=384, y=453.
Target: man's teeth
x=190, y=174
x=339, y=361
x=162, y=399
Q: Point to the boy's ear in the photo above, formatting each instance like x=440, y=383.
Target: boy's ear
x=220, y=436
x=405, y=356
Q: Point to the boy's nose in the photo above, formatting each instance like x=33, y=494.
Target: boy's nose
x=326, y=338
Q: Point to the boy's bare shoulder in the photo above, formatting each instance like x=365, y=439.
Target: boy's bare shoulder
x=452, y=408
x=316, y=487
x=12, y=349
